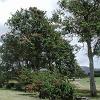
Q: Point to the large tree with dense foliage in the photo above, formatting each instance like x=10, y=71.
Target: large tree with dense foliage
x=83, y=21
x=32, y=42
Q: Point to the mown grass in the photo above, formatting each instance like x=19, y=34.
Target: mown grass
x=16, y=95
x=83, y=88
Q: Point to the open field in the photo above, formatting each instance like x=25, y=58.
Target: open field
x=83, y=87
x=15, y=95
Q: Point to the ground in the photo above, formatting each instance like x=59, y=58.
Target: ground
x=83, y=87
x=15, y=95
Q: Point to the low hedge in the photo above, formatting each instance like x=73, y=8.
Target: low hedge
x=97, y=73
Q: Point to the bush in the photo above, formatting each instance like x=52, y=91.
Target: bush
x=58, y=90
x=10, y=85
x=40, y=78
x=26, y=76
x=49, y=85
x=45, y=91
x=53, y=86
x=97, y=73
x=37, y=86
x=19, y=87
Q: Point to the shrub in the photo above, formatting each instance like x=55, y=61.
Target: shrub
x=40, y=78
x=97, y=73
x=45, y=91
x=25, y=76
x=50, y=85
x=37, y=86
x=19, y=87
x=54, y=86
x=60, y=90
x=10, y=85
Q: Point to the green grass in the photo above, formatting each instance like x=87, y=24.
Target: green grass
x=85, y=82
x=16, y=95
x=83, y=87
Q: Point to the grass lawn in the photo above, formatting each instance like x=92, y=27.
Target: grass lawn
x=83, y=87
x=15, y=95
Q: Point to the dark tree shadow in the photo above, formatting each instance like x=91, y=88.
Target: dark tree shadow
x=86, y=93
x=29, y=94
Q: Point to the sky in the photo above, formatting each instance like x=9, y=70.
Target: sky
x=8, y=7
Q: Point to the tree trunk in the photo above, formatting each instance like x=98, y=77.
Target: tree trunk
x=91, y=65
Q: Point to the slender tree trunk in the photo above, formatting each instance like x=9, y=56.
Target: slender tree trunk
x=91, y=65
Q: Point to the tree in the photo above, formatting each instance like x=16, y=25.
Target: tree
x=33, y=43
x=84, y=22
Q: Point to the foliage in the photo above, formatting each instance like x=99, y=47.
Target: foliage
x=80, y=73
x=25, y=76
x=97, y=73
x=18, y=87
x=33, y=43
x=83, y=21
x=49, y=84
x=10, y=85
x=2, y=77
x=58, y=89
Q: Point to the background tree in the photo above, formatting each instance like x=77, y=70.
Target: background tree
x=84, y=22
x=33, y=43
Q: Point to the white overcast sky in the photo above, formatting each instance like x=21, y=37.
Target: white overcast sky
x=7, y=7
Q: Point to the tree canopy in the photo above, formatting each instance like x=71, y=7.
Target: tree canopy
x=33, y=43
x=83, y=21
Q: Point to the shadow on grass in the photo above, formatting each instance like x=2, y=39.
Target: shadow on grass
x=86, y=93
x=22, y=93
x=29, y=94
